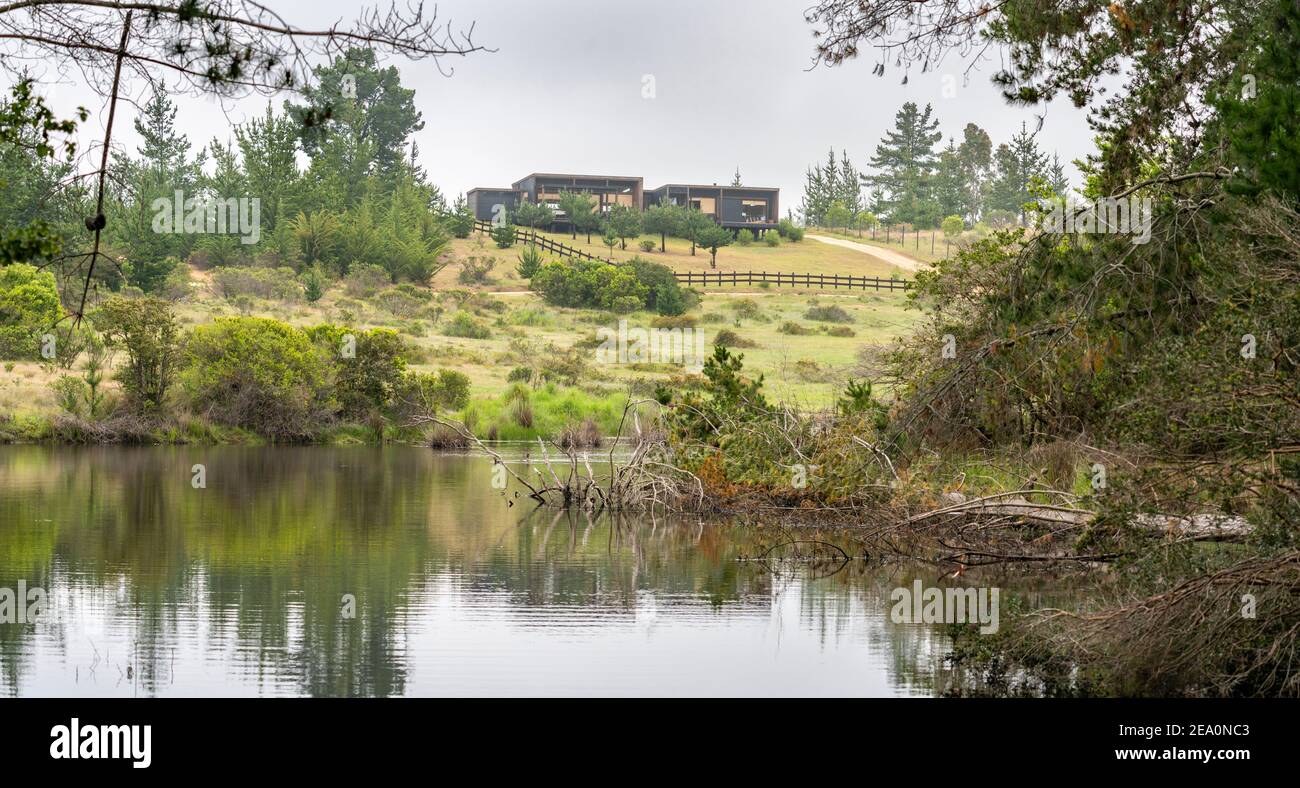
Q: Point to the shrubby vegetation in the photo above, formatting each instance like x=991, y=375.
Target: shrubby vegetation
x=271, y=283
x=627, y=287
x=258, y=374
x=29, y=308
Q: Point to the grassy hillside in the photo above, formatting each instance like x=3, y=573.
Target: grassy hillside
x=805, y=363
x=802, y=257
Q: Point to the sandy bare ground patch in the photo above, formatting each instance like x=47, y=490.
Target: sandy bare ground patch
x=888, y=256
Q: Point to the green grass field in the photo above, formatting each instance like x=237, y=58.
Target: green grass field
x=804, y=369
x=802, y=257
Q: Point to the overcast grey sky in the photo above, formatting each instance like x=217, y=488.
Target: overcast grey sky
x=564, y=93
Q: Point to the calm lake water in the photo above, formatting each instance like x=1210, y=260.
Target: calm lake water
x=156, y=588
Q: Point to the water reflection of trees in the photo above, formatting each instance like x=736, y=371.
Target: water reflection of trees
x=269, y=549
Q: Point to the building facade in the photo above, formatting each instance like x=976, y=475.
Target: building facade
x=734, y=207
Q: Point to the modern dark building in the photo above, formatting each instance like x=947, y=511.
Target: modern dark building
x=736, y=207
x=752, y=207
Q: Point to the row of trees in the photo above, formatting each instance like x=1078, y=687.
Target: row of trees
x=621, y=223
x=360, y=199
x=913, y=182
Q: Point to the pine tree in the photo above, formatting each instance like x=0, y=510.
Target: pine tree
x=905, y=161
x=849, y=192
x=1017, y=163
x=1056, y=177
x=950, y=188
x=735, y=180
x=976, y=155
x=269, y=149
x=815, y=198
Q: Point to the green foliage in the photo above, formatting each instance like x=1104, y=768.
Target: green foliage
x=858, y=399
x=624, y=222
x=29, y=307
x=271, y=283
x=1258, y=113
x=423, y=394
x=533, y=215
x=728, y=338
x=904, y=162
x=837, y=216
x=580, y=210
x=663, y=219
x=83, y=396
x=317, y=235
x=476, y=270
x=772, y=239
x=313, y=287
x=727, y=394
x=693, y=225
x=795, y=234
x=713, y=238
x=828, y=314
x=530, y=259
x=461, y=220
x=504, y=236
x=647, y=245
x=591, y=284
x=825, y=185
x=464, y=325
x=523, y=413
x=364, y=281
x=146, y=330
x=663, y=294
x=745, y=238
x=258, y=374
x=382, y=115
x=952, y=226
x=367, y=367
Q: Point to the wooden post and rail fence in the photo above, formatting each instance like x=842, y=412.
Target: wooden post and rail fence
x=721, y=278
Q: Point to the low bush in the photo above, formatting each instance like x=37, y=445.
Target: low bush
x=794, y=329
x=464, y=325
x=476, y=270
x=745, y=307
x=280, y=284
x=397, y=301
x=728, y=338
x=258, y=374
x=423, y=394
x=828, y=314
x=363, y=281
x=674, y=321
x=586, y=283
x=530, y=259
x=367, y=366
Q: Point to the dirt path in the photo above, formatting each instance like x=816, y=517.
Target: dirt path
x=887, y=256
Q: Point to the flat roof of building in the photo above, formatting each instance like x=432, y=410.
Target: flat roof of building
x=580, y=175
x=715, y=186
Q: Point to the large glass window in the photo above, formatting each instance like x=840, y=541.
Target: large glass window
x=705, y=205
x=753, y=210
